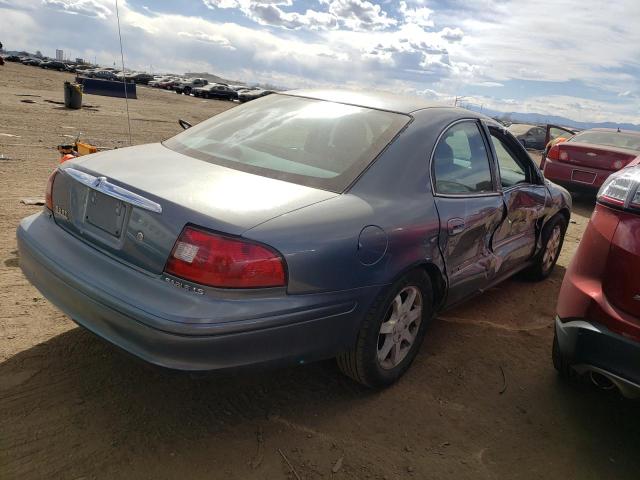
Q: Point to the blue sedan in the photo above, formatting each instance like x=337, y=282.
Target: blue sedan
x=300, y=226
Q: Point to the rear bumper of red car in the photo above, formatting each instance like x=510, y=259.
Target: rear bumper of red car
x=574, y=176
x=591, y=348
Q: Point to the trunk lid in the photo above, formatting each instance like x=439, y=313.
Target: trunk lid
x=622, y=276
x=148, y=193
x=594, y=156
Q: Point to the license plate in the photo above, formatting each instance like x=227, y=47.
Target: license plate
x=105, y=212
x=582, y=176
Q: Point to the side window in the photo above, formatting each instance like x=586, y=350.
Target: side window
x=460, y=161
x=555, y=132
x=511, y=172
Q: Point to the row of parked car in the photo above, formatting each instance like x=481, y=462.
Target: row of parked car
x=91, y=71
x=201, y=87
x=198, y=87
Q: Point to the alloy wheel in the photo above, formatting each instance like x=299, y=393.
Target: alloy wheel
x=400, y=328
x=551, y=250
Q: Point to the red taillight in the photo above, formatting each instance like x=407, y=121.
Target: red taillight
x=48, y=194
x=217, y=261
x=554, y=153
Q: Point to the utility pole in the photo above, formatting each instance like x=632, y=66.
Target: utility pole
x=457, y=99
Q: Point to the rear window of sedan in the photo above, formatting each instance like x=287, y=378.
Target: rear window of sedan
x=610, y=139
x=311, y=142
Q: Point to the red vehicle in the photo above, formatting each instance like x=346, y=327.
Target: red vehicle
x=597, y=328
x=587, y=159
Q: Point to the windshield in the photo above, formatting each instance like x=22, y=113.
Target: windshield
x=311, y=142
x=611, y=139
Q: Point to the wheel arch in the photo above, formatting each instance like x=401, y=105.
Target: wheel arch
x=436, y=276
x=564, y=211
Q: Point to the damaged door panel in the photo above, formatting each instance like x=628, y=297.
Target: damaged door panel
x=469, y=205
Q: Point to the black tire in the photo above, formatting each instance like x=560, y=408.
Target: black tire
x=539, y=270
x=187, y=91
x=361, y=363
x=560, y=363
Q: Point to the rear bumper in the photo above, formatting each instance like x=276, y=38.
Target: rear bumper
x=590, y=347
x=141, y=313
x=565, y=174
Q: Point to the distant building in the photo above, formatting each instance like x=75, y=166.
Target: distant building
x=59, y=55
x=79, y=60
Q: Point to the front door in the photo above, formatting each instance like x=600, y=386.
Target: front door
x=524, y=196
x=469, y=205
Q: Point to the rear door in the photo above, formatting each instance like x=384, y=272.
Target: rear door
x=524, y=196
x=469, y=205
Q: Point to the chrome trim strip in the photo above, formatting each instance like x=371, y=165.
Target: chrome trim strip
x=101, y=184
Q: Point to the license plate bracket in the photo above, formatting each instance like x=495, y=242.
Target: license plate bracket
x=583, y=176
x=105, y=212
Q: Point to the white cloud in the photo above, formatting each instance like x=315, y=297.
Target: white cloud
x=208, y=38
x=360, y=14
x=452, y=34
x=89, y=8
x=270, y=12
x=420, y=16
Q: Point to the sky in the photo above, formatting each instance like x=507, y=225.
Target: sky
x=577, y=59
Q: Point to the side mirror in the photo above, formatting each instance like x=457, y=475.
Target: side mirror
x=184, y=124
x=522, y=141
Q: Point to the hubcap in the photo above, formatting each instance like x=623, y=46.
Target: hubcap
x=553, y=245
x=399, y=330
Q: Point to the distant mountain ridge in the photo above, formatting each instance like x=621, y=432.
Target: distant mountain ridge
x=537, y=118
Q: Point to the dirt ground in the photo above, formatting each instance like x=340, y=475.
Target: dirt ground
x=72, y=406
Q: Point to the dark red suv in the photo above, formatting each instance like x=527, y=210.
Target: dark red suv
x=598, y=314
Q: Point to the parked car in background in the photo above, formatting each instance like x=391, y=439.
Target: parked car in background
x=556, y=134
x=141, y=78
x=13, y=58
x=530, y=136
x=34, y=62
x=216, y=90
x=159, y=80
x=597, y=328
x=186, y=86
x=247, y=95
x=105, y=75
x=200, y=91
x=170, y=83
x=296, y=227
x=587, y=159
x=53, y=65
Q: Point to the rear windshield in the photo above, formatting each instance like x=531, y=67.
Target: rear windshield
x=321, y=144
x=611, y=139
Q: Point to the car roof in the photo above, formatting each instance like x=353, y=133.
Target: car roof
x=612, y=130
x=375, y=100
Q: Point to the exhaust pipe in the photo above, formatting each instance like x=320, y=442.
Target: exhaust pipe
x=601, y=381
x=608, y=381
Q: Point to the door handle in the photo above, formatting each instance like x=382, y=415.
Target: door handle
x=456, y=226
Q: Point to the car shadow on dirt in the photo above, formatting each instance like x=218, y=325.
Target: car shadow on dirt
x=583, y=203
